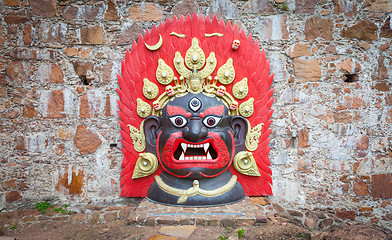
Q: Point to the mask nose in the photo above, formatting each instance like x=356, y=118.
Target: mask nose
x=195, y=131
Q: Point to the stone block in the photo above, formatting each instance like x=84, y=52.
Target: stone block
x=363, y=30
x=258, y=6
x=43, y=8
x=273, y=27
x=344, y=214
x=307, y=70
x=316, y=27
x=185, y=7
x=381, y=185
x=223, y=9
x=361, y=188
x=145, y=12
x=92, y=35
x=12, y=196
x=86, y=140
x=111, y=12
x=305, y=6
x=298, y=50
x=129, y=33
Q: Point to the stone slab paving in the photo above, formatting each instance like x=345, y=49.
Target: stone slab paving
x=242, y=213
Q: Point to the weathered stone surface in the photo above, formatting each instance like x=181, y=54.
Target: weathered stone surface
x=359, y=232
x=343, y=117
x=353, y=102
x=55, y=107
x=311, y=220
x=92, y=35
x=12, y=196
x=145, y=12
x=52, y=32
x=349, y=66
x=344, y=214
x=363, y=143
x=71, y=182
x=18, y=71
x=84, y=12
x=325, y=223
x=29, y=112
x=363, y=30
x=307, y=70
x=273, y=27
x=257, y=6
x=84, y=108
x=11, y=3
x=260, y=200
x=303, y=138
x=381, y=72
x=43, y=8
x=110, y=216
x=86, y=140
x=305, y=6
x=81, y=68
x=382, y=86
x=27, y=35
x=298, y=50
x=108, y=107
x=223, y=9
x=382, y=5
x=111, y=12
x=177, y=231
x=185, y=7
x=129, y=33
x=360, y=188
x=318, y=27
x=349, y=8
x=386, y=30
x=79, y=217
x=381, y=186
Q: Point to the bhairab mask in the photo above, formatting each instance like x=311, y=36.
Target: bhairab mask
x=195, y=114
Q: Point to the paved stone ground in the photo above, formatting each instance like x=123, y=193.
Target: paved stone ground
x=243, y=213
x=258, y=218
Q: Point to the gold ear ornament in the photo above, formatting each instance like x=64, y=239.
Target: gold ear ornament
x=245, y=163
x=146, y=164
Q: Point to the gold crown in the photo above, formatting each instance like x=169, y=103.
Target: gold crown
x=195, y=77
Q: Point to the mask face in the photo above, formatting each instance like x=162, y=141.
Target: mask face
x=195, y=138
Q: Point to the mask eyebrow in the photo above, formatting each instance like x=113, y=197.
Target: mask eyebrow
x=217, y=110
x=173, y=110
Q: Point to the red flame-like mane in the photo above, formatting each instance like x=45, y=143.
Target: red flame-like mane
x=142, y=63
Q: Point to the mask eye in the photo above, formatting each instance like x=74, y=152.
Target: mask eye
x=211, y=121
x=178, y=121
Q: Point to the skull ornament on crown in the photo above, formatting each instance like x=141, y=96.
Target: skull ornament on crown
x=195, y=128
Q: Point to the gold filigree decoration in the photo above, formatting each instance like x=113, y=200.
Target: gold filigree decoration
x=177, y=35
x=226, y=73
x=240, y=89
x=194, y=57
x=150, y=89
x=164, y=73
x=146, y=164
x=210, y=66
x=156, y=46
x=139, y=141
x=180, y=66
x=245, y=163
x=252, y=137
x=213, y=34
x=246, y=108
x=192, y=191
x=143, y=108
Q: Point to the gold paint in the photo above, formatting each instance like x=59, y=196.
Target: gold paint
x=194, y=57
x=252, y=137
x=150, y=89
x=245, y=163
x=177, y=35
x=164, y=73
x=146, y=164
x=192, y=191
x=246, y=108
x=213, y=34
x=240, y=89
x=180, y=66
x=143, y=108
x=195, y=83
x=210, y=66
x=156, y=46
x=226, y=73
x=139, y=141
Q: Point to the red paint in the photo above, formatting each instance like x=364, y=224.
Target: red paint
x=218, y=110
x=172, y=110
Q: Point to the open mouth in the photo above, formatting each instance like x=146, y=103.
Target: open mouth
x=195, y=152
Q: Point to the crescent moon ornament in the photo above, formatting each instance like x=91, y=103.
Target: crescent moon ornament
x=156, y=46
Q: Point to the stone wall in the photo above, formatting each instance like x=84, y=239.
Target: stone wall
x=331, y=135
